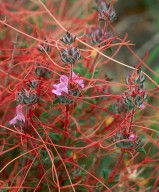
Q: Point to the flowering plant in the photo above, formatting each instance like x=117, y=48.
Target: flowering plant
x=79, y=126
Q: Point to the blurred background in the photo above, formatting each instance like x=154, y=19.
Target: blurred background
x=140, y=19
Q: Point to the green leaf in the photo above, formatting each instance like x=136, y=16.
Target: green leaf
x=98, y=187
x=56, y=159
x=109, y=50
x=88, y=75
x=47, y=74
x=56, y=101
x=94, y=101
x=79, y=172
x=96, y=73
x=95, y=8
x=45, y=157
x=82, y=188
x=141, y=150
x=80, y=69
x=105, y=174
x=77, y=134
x=56, y=136
x=80, y=143
x=44, y=117
x=68, y=152
x=39, y=22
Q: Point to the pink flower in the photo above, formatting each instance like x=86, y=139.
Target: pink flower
x=132, y=136
x=62, y=86
x=77, y=79
x=20, y=116
x=142, y=106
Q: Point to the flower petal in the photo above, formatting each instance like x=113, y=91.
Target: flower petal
x=64, y=79
x=13, y=121
x=56, y=92
x=64, y=89
x=20, y=115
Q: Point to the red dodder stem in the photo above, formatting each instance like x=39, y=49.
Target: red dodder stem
x=12, y=57
x=96, y=57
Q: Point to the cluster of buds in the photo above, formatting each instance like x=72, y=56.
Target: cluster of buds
x=66, y=91
x=99, y=36
x=44, y=47
x=68, y=38
x=125, y=140
x=41, y=71
x=136, y=95
x=120, y=107
x=105, y=11
x=28, y=95
x=70, y=54
x=33, y=84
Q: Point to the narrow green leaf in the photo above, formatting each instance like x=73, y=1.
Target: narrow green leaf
x=141, y=150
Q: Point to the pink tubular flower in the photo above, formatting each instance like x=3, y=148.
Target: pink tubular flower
x=20, y=116
x=62, y=86
x=77, y=79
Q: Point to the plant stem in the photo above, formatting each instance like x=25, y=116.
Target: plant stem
x=71, y=71
x=66, y=119
x=131, y=120
x=24, y=148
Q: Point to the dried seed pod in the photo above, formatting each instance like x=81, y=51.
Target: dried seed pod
x=69, y=99
x=68, y=38
x=70, y=55
x=27, y=96
x=138, y=100
x=33, y=84
x=126, y=140
x=98, y=36
x=136, y=94
x=66, y=56
x=75, y=52
x=41, y=71
x=44, y=47
x=106, y=11
x=136, y=78
x=120, y=107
